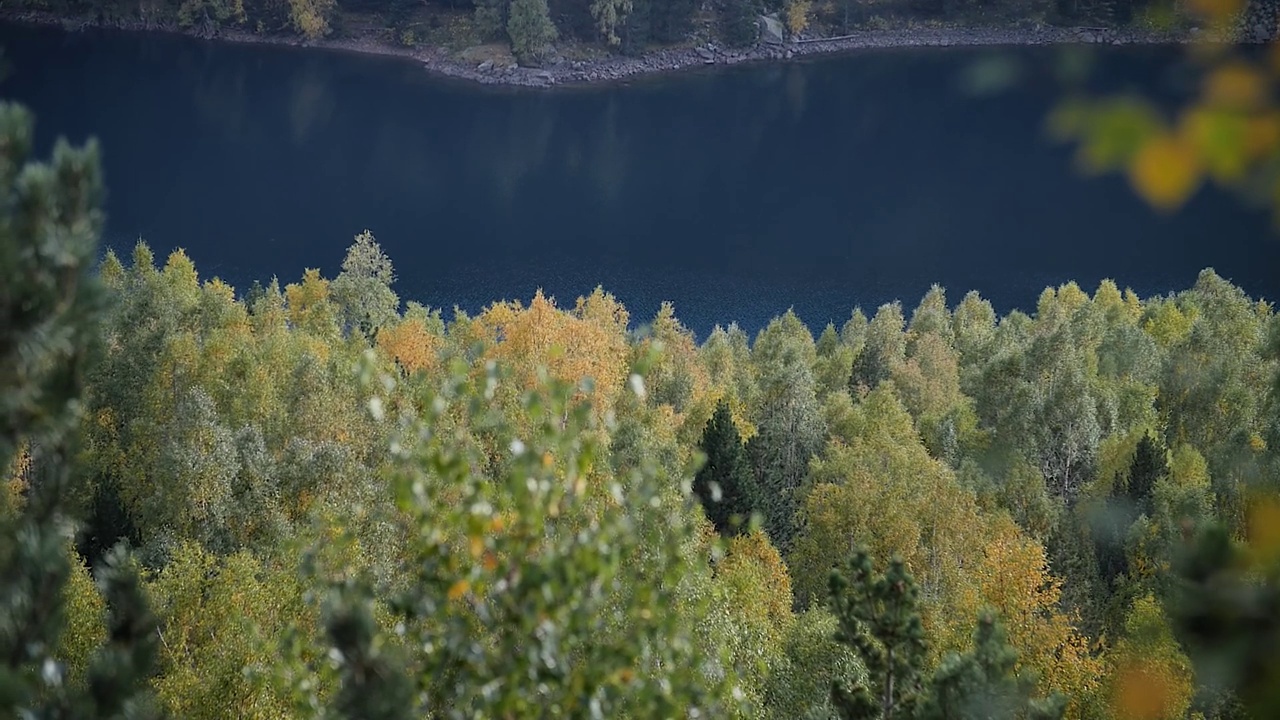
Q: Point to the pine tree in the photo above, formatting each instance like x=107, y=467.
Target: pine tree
x=725, y=484
x=877, y=617
x=50, y=218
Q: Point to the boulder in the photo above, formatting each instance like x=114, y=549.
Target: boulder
x=485, y=66
x=704, y=53
x=771, y=30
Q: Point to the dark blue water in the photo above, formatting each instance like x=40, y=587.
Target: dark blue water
x=735, y=194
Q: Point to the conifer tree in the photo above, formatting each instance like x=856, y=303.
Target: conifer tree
x=876, y=616
x=725, y=484
x=50, y=218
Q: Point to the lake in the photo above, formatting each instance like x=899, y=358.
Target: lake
x=734, y=193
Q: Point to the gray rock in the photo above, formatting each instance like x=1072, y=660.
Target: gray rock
x=485, y=66
x=704, y=53
x=789, y=54
x=771, y=30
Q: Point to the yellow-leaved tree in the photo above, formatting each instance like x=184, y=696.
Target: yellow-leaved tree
x=878, y=487
x=1151, y=677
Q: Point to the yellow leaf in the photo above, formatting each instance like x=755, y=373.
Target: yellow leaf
x=477, y=546
x=1165, y=171
x=1257, y=443
x=490, y=561
x=458, y=589
x=1264, y=528
x=1235, y=85
x=1140, y=694
x=1263, y=135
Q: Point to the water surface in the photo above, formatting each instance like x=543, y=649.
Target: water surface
x=735, y=194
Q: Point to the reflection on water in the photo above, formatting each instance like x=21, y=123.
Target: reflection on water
x=736, y=194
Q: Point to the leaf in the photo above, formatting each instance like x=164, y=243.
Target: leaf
x=1236, y=86
x=1264, y=529
x=1165, y=171
x=1116, y=131
x=990, y=75
x=1221, y=139
x=458, y=589
x=1141, y=694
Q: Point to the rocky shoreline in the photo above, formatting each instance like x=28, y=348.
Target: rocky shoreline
x=618, y=68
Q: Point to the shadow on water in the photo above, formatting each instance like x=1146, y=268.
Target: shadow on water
x=736, y=194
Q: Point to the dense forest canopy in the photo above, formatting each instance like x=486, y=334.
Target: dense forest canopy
x=312, y=499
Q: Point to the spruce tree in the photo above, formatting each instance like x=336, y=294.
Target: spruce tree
x=1148, y=466
x=725, y=484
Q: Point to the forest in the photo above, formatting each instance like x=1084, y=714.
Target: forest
x=312, y=499
x=541, y=31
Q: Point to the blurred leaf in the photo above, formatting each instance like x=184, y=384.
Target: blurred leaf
x=1141, y=694
x=1221, y=139
x=1073, y=65
x=1263, y=135
x=1165, y=171
x=1115, y=132
x=1068, y=119
x=1264, y=529
x=991, y=74
x=1235, y=86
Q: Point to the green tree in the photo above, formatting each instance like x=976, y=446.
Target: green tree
x=800, y=681
x=885, y=347
x=983, y=684
x=834, y=363
x=50, y=217
x=790, y=427
x=531, y=31
x=725, y=484
x=1132, y=497
x=876, y=616
x=738, y=21
x=540, y=590
x=611, y=15
x=363, y=288
x=1151, y=677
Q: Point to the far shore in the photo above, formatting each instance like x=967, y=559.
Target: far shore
x=614, y=68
